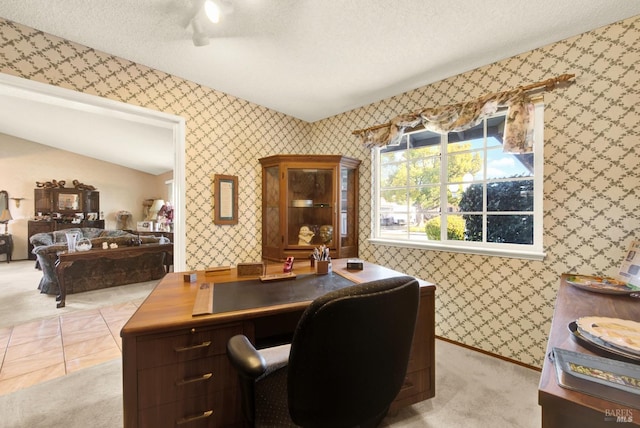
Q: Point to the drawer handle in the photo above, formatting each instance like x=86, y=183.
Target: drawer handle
x=407, y=383
x=204, y=415
x=191, y=348
x=204, y=377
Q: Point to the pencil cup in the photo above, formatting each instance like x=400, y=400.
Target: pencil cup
x=323, y=267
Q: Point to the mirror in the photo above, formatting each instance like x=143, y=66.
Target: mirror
x=5, y=214
x=4, y=201
x=67, y=200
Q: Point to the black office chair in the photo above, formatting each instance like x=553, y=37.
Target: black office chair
x=347, y=361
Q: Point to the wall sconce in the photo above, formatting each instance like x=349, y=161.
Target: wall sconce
x=17, y=201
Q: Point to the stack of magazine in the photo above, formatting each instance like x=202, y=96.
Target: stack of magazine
x=601, y=377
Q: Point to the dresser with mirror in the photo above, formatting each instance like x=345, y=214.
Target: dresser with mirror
x=59, y=208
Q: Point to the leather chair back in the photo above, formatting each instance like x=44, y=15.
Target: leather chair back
x=350, y=352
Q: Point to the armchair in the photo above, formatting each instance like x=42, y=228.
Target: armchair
x=346, y=364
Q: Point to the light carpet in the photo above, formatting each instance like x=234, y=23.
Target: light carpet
x=473, y=390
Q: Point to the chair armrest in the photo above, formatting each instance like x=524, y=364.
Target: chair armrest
x=245, y=358
x=41, y=239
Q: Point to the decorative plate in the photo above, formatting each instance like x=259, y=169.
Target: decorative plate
x=599, y=347
x=600, y=284
x=612, y=332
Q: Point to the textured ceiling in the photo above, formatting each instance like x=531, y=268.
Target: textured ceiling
x=310, y=59
x=313, y=59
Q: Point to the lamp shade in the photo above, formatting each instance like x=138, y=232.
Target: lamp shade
x=157, y=204
x=155, y=207
x=5, y=216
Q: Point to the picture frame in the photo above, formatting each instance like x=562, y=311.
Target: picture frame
x=225, y=199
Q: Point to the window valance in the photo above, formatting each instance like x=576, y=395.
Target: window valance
x=518, y=135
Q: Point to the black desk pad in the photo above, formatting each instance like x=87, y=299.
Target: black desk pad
x=250, y=294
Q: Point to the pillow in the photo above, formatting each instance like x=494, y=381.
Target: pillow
x=60, y=236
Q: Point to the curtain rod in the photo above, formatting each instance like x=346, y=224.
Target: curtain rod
x=548, y=85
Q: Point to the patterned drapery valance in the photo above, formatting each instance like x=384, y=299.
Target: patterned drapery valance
x=518, y=134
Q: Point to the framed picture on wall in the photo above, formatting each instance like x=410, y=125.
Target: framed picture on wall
x=225, y=199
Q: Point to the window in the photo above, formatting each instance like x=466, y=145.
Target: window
x=461, y=192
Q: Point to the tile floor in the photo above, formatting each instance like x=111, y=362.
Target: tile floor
x=52, y=347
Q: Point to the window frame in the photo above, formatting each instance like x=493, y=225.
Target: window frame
x=534, y=251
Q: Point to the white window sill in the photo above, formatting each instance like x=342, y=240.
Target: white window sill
x=437, y=246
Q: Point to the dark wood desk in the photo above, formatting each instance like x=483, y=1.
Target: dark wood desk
x=175, y=368
x=66, y=259
x=563, y=408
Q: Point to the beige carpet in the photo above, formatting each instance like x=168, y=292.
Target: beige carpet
x=473, y=390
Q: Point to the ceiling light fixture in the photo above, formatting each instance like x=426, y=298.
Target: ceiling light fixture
x=212, y=10
x=199, y=38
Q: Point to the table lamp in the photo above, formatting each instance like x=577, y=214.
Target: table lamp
x=155, y=207
x=4, y=218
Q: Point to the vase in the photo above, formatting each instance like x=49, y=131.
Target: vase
x=71, y=241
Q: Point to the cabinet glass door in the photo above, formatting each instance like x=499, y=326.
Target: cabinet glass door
x=42, y=203
x=310, y=207
x=348, y=213
x=271, y=206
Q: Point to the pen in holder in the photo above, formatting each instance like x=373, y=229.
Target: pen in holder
x=322, y=260
x=323, y=267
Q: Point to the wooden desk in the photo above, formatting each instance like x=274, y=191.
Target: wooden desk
x=66, y=259
x=563, y=408
x=175, y=368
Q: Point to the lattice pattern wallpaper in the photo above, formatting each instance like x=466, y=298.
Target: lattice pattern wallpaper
x=496, y=304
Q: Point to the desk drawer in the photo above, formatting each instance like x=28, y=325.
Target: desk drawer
x=213, y=410
x=418, y=357
x=165, y=384
x=187, y=345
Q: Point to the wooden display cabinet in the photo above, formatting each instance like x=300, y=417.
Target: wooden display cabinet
x=309, y=201
x=65, y=203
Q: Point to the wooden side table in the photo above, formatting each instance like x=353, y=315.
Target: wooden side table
x=565, y=408
x=6, y=245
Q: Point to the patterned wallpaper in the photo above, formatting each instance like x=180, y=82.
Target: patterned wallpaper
x=496, y=304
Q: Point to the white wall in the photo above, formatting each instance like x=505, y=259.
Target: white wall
x=22, y=163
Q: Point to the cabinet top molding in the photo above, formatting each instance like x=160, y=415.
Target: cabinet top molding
x=309, y=158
